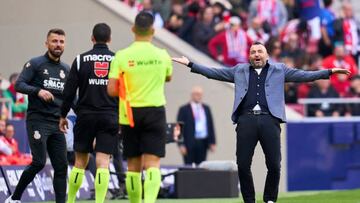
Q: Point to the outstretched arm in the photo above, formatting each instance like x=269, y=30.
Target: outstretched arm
x=222, y=74
x=340, y=71
x=297, y=75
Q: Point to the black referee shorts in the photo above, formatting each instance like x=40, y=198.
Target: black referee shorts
x=103, y=127
x=149, y=134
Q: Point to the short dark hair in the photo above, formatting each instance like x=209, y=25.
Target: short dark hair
x=101, y=33
x=13, y=76
x=143, y=23
x=56, y=31
x=257, y=43
x=327, y=3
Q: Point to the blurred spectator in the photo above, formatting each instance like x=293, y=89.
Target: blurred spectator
x=148, y=7
x=2, y=127
x=16, y=157
x=201, y=3
x=339, y=59
x=163, y=7
x=175, y=20
x=1, y=90
x=274, y=49
x=134, y=4
x=256, y=31
x=4, y=111
x=310, y=11
x=199, y=132
x=323, y=89
x=327, y=29
x=220, y=6
x=291, y=8
x=19, y=102
x=186, y=30
x=292, y=48
x=272, y=14
x=204, y=30
x=233, y=44
x=314, y=63
x=353, y=109
x=4, y=150
x=347, y=30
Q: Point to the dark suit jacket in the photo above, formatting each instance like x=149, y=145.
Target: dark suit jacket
x=185, y=115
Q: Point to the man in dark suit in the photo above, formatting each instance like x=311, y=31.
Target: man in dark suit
x=199, y=135
x=259, y=108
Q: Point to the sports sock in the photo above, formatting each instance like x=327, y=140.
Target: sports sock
x=101, y=184
x=75, y=180
x=152, y=185
x=134, y=186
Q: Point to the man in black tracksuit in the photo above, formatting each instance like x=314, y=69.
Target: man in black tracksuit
x=43, y=79
x=97, y=113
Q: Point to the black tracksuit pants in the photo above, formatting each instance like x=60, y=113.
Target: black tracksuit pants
x=45, y=136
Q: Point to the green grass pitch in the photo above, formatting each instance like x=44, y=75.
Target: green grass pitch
x=346, y=196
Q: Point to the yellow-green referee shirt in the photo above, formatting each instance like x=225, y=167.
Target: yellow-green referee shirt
x=142, y=68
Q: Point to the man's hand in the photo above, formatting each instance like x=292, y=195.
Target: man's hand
x=340, y=71
x=177, y=132
x=63, y=125
x=183, y=60
x=46, y=95
x=212, y=148
x=183, y=150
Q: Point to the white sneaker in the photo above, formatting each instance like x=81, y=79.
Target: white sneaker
x=270, y=202
x=9, y=200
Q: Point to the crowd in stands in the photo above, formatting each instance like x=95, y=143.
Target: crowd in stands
x=304, y=34
x=9, y=150
x=13, y=106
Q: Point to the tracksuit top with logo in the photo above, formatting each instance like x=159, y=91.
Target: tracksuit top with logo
x=89, y=75
x=43, y=73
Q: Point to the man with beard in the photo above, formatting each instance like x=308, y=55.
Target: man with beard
x=43, y=79
x=258, y=111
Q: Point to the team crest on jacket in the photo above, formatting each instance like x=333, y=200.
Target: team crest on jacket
x=37, y=135
x=62, y=74
x=101, y=69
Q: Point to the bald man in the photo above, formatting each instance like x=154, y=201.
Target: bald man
x=198, y=131
x=259, y=108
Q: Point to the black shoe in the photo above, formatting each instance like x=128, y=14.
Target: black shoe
x=92, y=195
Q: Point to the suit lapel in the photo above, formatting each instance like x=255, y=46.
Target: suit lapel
x=271, y=69
x=190, y=112
x=247, y=71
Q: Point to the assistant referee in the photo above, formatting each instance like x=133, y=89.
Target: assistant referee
x=137, y=75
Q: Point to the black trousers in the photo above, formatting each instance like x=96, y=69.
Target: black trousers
x=118, y=163
x=45, y=137
x=197, y=153
x=265, y=129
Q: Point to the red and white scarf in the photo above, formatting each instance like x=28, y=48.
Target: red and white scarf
x=351, y=39
x=236, y=43
x=266, y=10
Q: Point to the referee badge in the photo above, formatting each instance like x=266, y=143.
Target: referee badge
x=62, y=74
x=37, y=135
